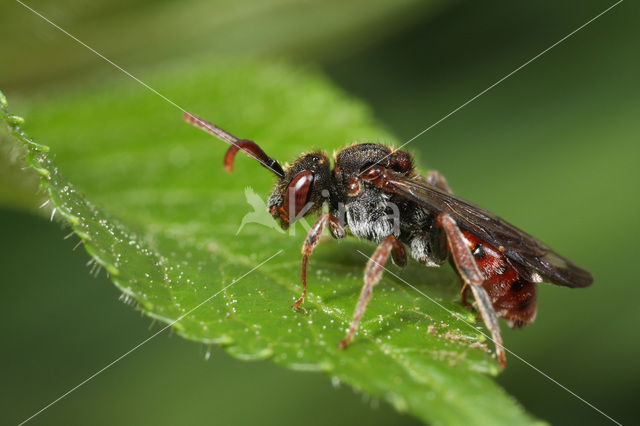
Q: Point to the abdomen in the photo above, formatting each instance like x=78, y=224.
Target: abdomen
x=513, y=296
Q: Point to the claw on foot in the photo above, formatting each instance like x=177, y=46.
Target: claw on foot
x=502, y=358
x=297, y=306
x=343, y=344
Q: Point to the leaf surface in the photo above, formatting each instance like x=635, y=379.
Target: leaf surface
x=154, y=207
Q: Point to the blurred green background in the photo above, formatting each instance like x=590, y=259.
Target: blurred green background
x=554, y=149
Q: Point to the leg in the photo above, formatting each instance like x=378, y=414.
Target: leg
x=398, y=253
x=310, y=243
x=430, y=248
x=464, y=292
x=470, y=274
x=372, y=274
x=436, y=179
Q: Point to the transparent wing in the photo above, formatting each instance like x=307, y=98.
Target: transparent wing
x=524, y=251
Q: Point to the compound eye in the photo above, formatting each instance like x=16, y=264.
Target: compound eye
x=297, y=194
x=372, y=173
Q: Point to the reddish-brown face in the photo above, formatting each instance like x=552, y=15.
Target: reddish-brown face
x=295, y=199
x=302, y=190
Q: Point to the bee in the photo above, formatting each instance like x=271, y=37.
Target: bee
x=374, y=193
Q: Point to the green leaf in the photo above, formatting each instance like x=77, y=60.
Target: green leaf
x=153, y=206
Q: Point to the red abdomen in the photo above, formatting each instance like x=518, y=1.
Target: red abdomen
x=512, y=295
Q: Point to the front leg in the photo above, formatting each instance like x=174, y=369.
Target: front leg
x=310, y=243
x=468, y=270
x=372, y=275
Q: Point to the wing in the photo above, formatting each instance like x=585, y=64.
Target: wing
x=520, y=248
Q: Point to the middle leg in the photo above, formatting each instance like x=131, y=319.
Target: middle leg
x=372, y=275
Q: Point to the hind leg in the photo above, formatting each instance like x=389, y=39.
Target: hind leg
x=468, y=270
x=436, y=179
